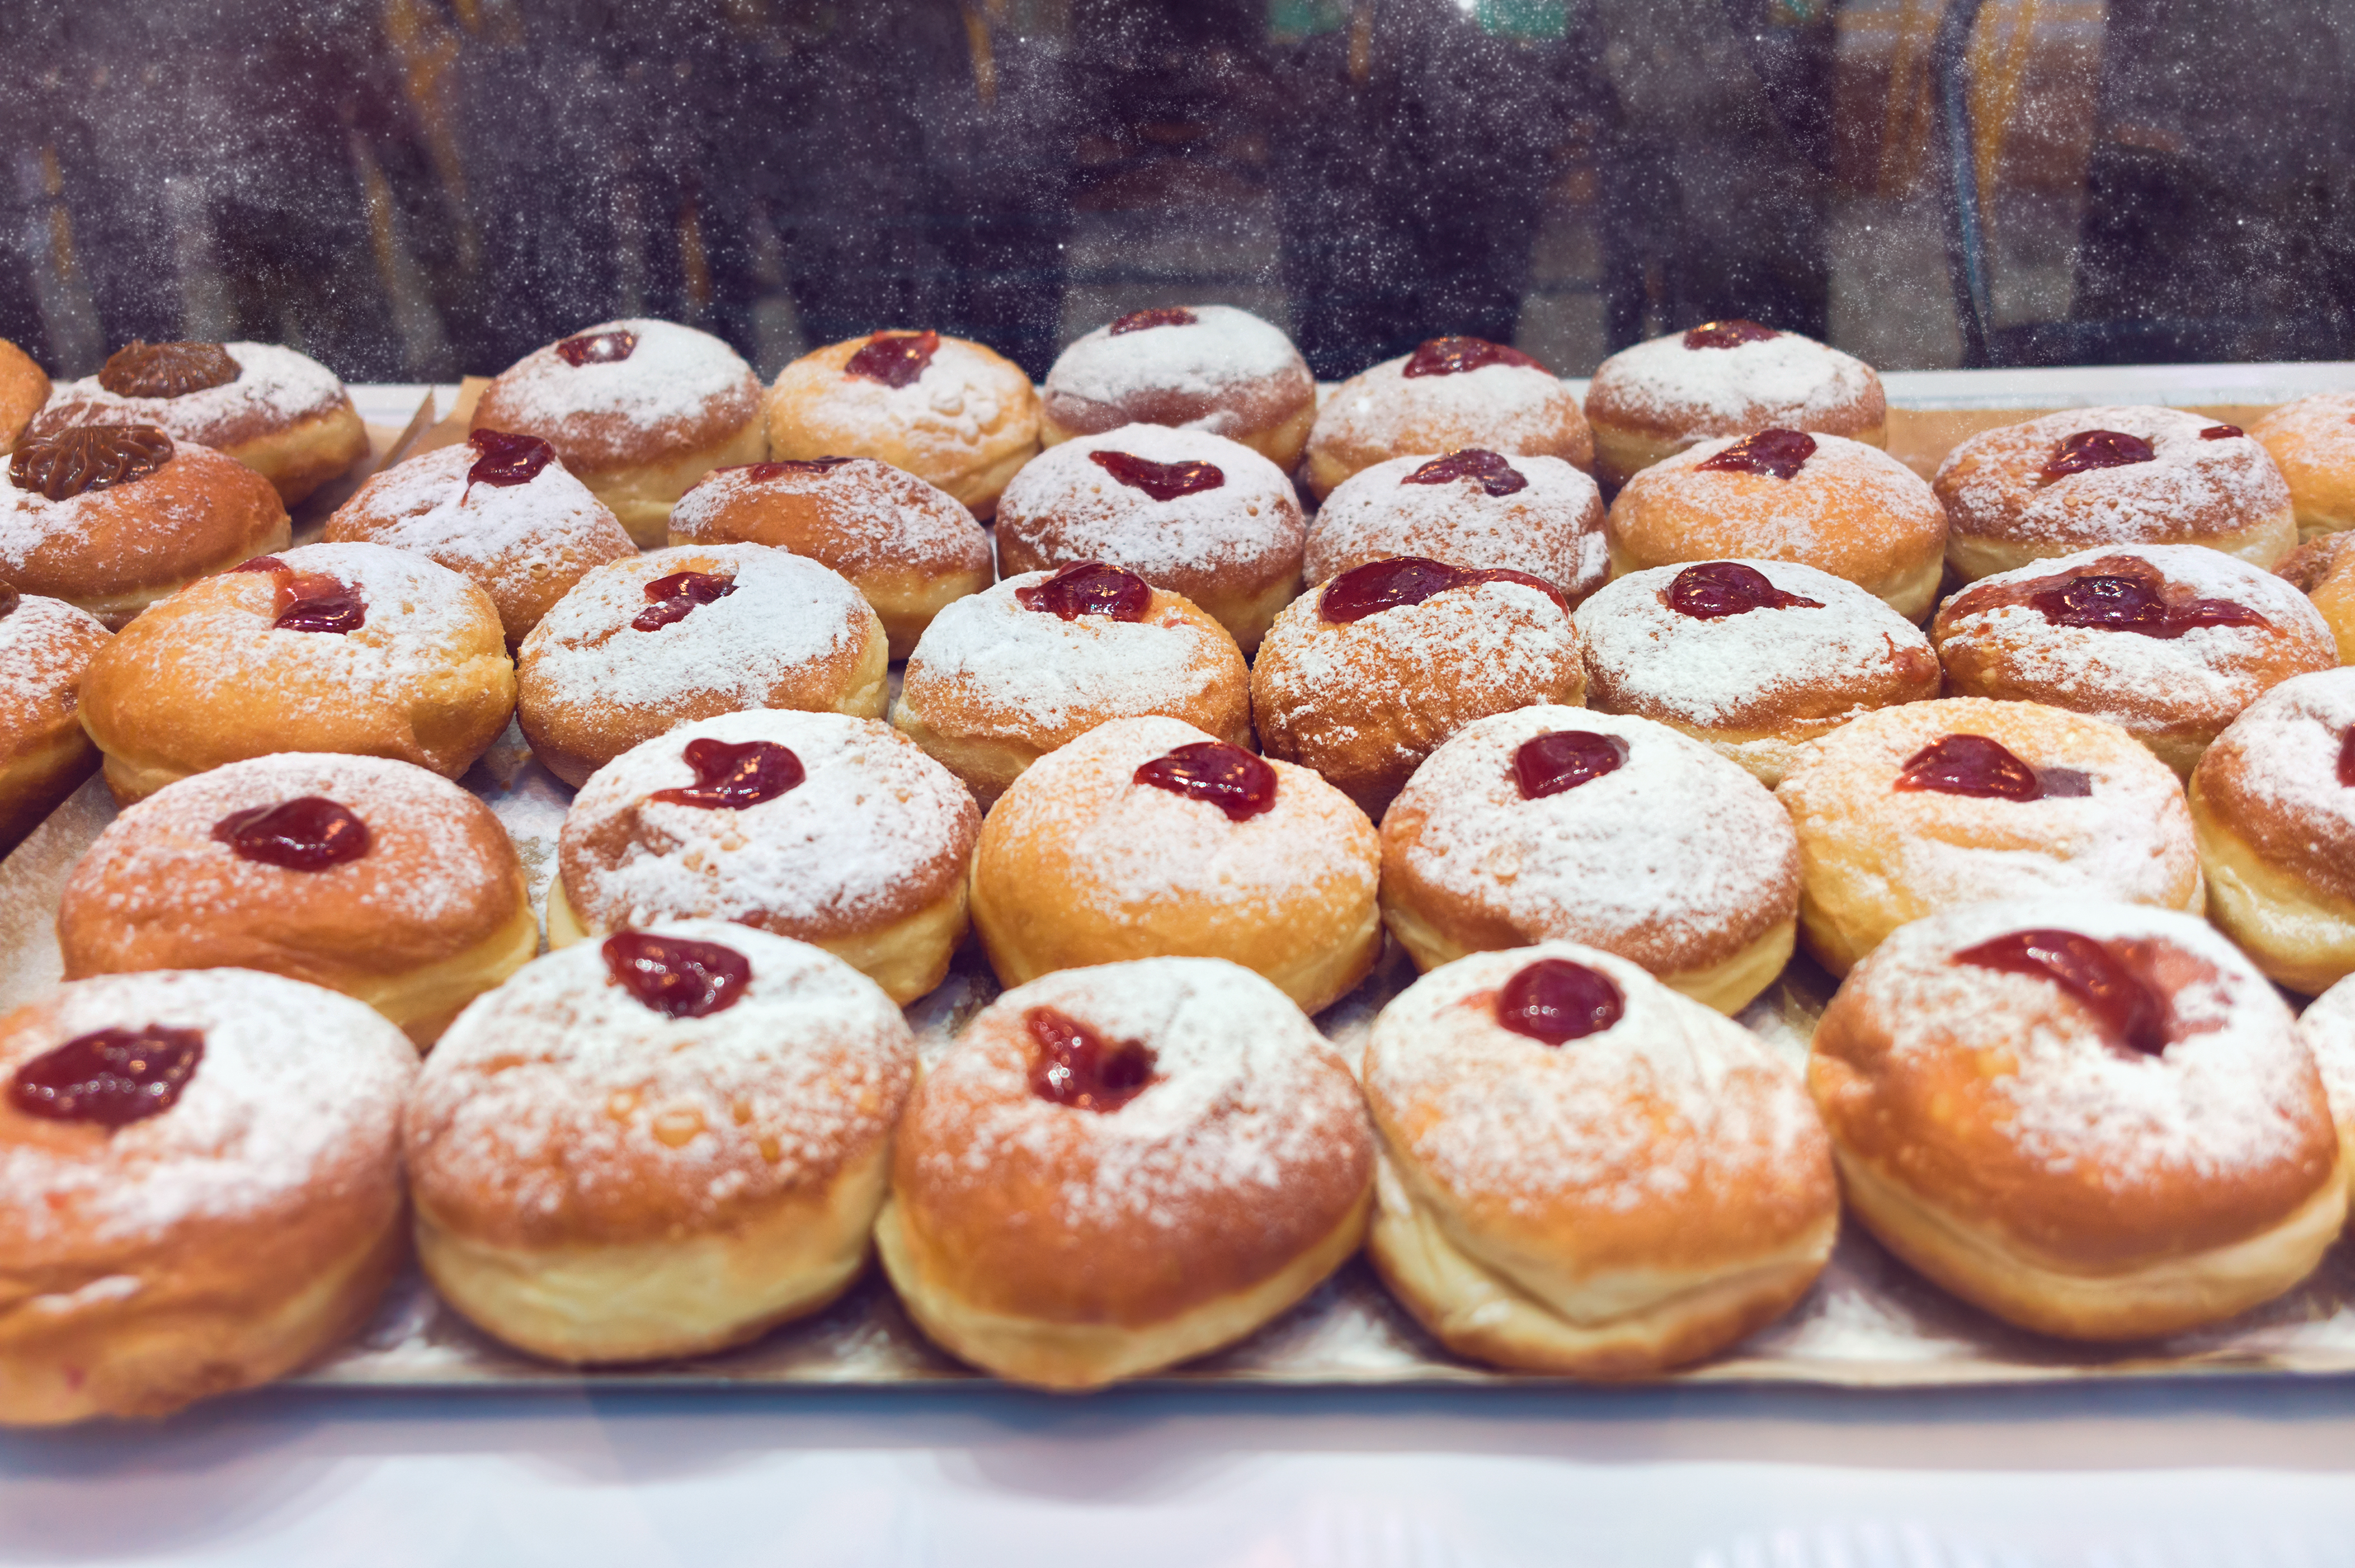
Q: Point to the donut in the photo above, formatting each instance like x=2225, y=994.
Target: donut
x=369, y=877
x=2091, y=1120
x=1364, y=678
x=281, y=413
x=637, y=411
x=662, y=1144
x=1823, y=501
x=327, y=647
x=1558, y=824
x=2322, y=570
x=200, y=1188
x=2083, y=478
x=1451, y=392
x=2168, y=641
x=1119, y=1168
x=2272, y=802
x=1149, y=839
x=24, y=387
x=1472, y=508
x=907, y=546
x=1202, y=366
x=1585, y=1172
x=2327, y=1029
x=1188, y=511
x=496, y=508
x=1909, y=810
x=833, y=830
x=1725, y=378
x=112, y=518
x=949, y=411
x=2312, y=442
x=45, y=753
x=1003, y=676
x=642, y=645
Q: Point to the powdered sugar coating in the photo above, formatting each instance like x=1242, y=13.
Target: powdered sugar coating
x=559, y=1107
x=1851, y=510
x=1552, y=528
x=1663, y=388
x=2327, y=1028
x=2273, y=777
x=298, y=1088
x=679, y=388
x=1226, y=372
x=877, y=519
x=1512, y=408
x=875, y=830
x=45, y=645
x=274, y=388
x=965, y=402
x=1063, y=508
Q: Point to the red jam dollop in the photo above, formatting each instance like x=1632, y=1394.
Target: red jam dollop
x=113, y=1077
x=1727, y=333
x=1715, y=589
x=674, y=977
x=2347, y=760
x=2221, y=432
x=1164, y=315
x=777, y=468
x=1985, y=769
x=1078, y=1067
x=1486, y=469
x=1162, y=481
x=680, y=595
x=1563, y=760
x=735, y=775
x=501, y=459
x=1554, y=1000
x=895, y=358
x=1397, y=580
x=610, y=347
x=2091, y=449
x=2130, y=1013
x=1088, y=588
x=1454, y=355
x=1779, y=454
x=311, y=600
x=2106, y=603
x=1227, y=776
x=309, y=833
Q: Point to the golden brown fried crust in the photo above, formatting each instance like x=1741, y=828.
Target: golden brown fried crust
x=808, y=417
x=2316, y=848
x=2316, y=561
x=598, y=443
x=200, y=513
x=24, y=387
x=2312, y=442
x=1249, y=412
x=1611, y=404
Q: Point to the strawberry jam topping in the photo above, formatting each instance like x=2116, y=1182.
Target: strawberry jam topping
x=1715, y=589
x=1397, y=580
x=1778, y=453
x=2091, y=449
x=2347, y=760
x=1554, y=1000
x=2221, y=432
x=674, y=977
x=680, y=595
x=501, y=459
x=609, y=348
x=1976, y=766
x=2130, y=1013
x=1140, y=320
x=311, y=600
x=1088, y=588
x=1563, y=760
x=1728, y=334
x=733, y=776
x=1162, y=481
x=1078, y=1067
x=895, y=358
x=1227, y=776
x=762, y=473
x=2111, y=603
x=309, y=833
x=1486, y=469
x=113, y=1077
x=1454, y=355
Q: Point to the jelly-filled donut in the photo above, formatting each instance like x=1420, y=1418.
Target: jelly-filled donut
x=1725, y=378
x=112, y=518
x=279, y=413
x=24, y=389
x=45, y=753
x=640, y=647
x=1119, y=1168
x=1451, y=392
x=951, y=412
x=908, y=546
x=373, y=877
x=660, y=1143
x=199, y=1187
x=2328, y=1028
x=1472, y=508
x=1191, y=512
x=1583, y=1171
x=2312, y=442
x=2323, y=569
x=1752, y=658
x=837, y=831
x=328, y=647
x=1202, y=366
x=2084, y=478
x=637, y=411
x=1909, y=810
x=499, y=510
x=1558, y=824
x=1364, y=678
x=1823, y=501
x=1149, y=839
x=2093, y=1120
x=1003, y=677
x=2169, y=641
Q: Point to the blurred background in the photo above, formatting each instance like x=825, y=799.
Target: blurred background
x=415, y=189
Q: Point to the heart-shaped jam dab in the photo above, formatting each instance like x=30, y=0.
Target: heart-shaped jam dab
x=1985, y=769
x=1224, y=775
x=895, y=358
x=1078, y=1067
x=501, y=459
x=609, y=348
x=1164, y=315
x=2130, y=1013
x=2111, y=603
x=1563, y=760
x=674, y=977
x=1088, y=588
x=71, y=462
x=113, y=1077
x=166, y=369
x=309, y=833
x=680, y=595
x=2091, y=449
x=1398, y=579
x=1486, y=469
x=1554, y=1000
x=1162, y=481
x=1776, y=453
x=733, y=776
x=1727, y=333
x=1715, y=589
x=1455, y=355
